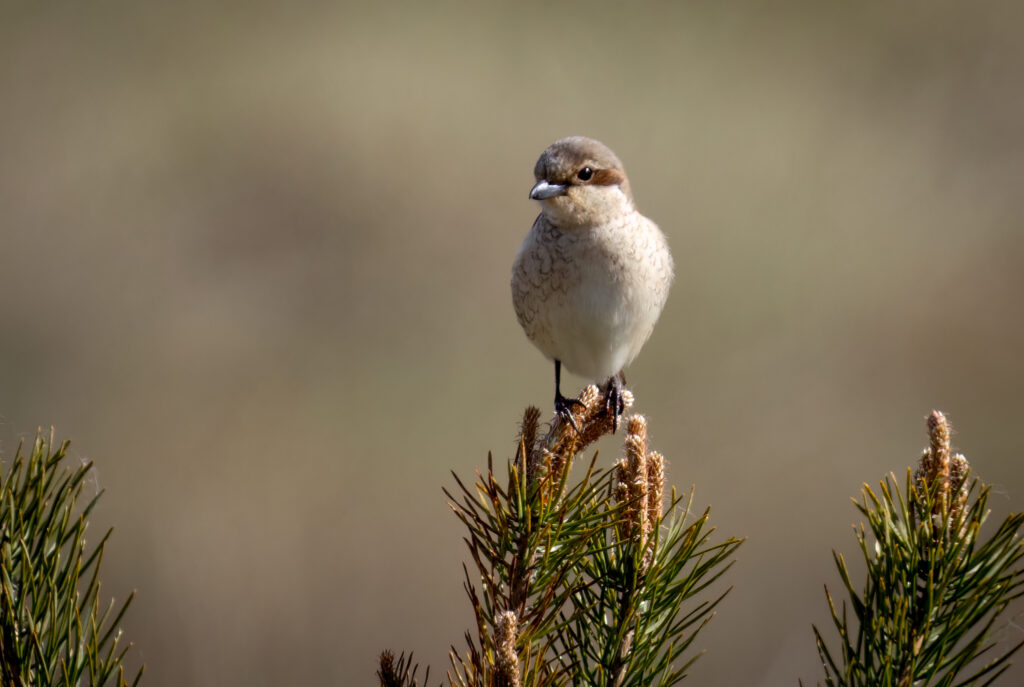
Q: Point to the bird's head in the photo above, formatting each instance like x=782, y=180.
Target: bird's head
x=581, y=182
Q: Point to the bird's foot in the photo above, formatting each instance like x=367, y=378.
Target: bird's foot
x=564, y=406
x=614, y=402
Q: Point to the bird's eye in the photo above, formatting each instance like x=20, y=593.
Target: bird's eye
x=585, y=174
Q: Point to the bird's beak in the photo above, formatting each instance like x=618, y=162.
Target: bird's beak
x=542, y=189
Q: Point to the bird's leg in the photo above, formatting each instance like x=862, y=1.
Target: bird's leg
x=563, y=405
x=613, y=402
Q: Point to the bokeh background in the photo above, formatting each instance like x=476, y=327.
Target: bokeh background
x=254, y=262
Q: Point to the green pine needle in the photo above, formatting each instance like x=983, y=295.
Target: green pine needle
x=934, y=586
x=587, y=581
x=54, y=629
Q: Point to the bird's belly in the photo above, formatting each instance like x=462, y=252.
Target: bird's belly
x=591, y=299
x=599, y=327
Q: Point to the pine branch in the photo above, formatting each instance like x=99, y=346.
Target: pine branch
x=400, y=672
x=934, y=587
x=580, y=582
x=627, y=622
x=523, y=540
x=54, y=629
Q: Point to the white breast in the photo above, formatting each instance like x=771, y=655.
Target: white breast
x=591, y=297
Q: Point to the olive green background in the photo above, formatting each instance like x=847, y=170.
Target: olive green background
x=254, y=261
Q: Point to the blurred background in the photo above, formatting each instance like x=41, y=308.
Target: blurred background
x=254, y=262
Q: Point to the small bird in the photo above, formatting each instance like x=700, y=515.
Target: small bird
x=593, y=274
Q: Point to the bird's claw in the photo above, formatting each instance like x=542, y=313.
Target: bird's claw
x=613, y=402
x=563, y=407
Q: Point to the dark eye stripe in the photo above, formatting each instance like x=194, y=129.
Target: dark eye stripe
x=608, y=177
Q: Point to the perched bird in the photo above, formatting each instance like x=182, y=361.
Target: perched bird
x=593, y=274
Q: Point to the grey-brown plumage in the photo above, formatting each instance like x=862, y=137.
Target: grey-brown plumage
x=593, y=274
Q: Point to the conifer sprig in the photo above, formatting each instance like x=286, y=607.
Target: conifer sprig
x=580, y=581
x=626, y=624
x=524, y=539
x=934, y=587
x=54, y=628
x=399, y=672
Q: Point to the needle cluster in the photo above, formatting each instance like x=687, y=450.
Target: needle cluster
x=54, y=630
x=581, y=582
x=934, y=586
x=633, y=616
